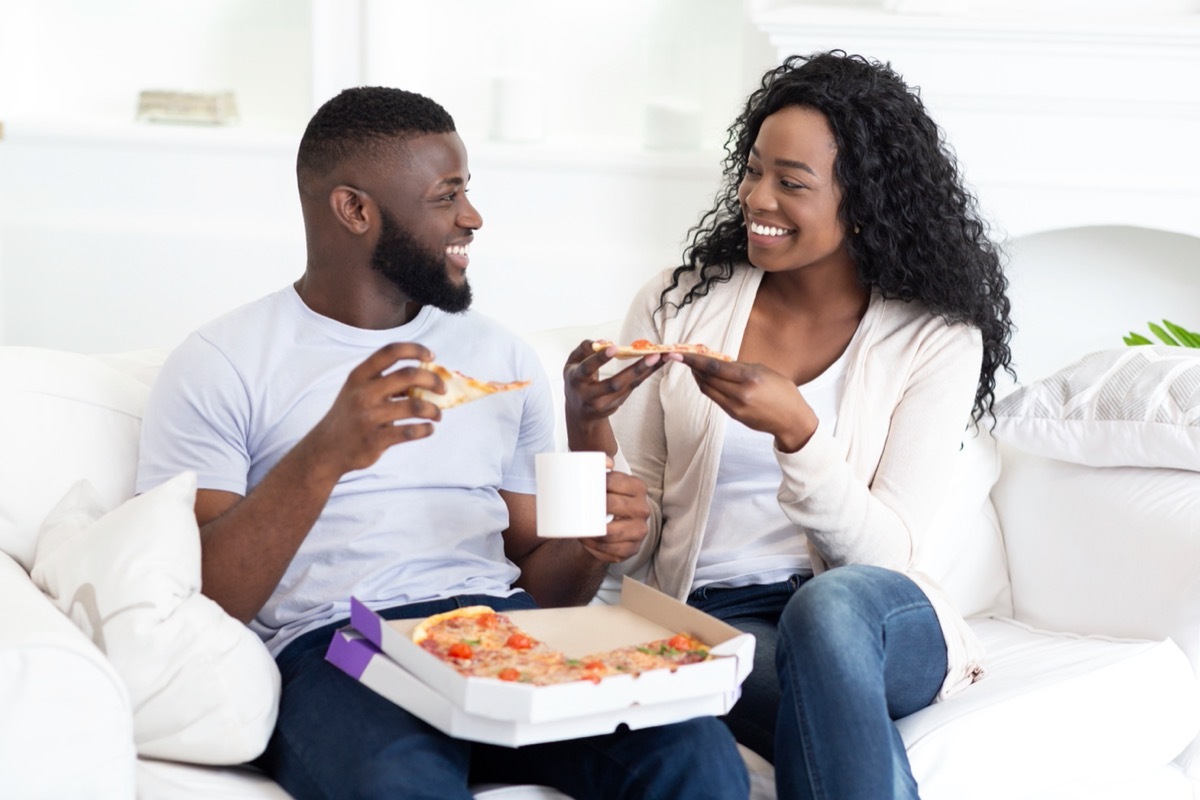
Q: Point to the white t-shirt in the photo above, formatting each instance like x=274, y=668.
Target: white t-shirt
x=424, y=522
x=748, y=539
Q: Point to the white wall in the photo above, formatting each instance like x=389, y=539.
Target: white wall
x=76, y=60
x=1078, y=290
x=117, y=235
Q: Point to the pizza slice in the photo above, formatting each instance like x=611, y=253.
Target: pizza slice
x=660, y=654
x=460, y=388
x=478, y=642
x=644, y=347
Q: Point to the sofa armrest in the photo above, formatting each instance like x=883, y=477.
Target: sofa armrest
x=1103, y=550
x=66, y=726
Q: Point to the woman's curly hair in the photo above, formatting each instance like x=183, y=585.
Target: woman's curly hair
x=918, y=233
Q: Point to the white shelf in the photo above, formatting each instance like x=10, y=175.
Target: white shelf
x=580, y=156
x=99, y=131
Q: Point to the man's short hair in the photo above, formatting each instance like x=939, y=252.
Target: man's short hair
x=364, y=121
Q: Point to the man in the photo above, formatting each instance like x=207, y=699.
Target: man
x=320, y=479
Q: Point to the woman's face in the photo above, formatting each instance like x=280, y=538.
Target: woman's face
x=789, y=195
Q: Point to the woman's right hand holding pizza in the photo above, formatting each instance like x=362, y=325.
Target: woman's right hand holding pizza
x=591, y=399
x=757, y=396
x=372, y=411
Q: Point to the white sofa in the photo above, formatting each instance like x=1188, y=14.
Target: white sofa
x=1080, y=579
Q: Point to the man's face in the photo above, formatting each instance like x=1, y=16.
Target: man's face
x=419, y=272
x=427, y=224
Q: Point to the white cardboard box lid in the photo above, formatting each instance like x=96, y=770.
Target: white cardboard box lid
x=364, y=662
x=643, y=614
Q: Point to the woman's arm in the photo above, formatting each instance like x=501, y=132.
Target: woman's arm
x=869, y=497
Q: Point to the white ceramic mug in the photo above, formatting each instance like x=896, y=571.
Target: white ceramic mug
x=571, y=494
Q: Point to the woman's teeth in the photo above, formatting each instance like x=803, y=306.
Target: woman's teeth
x=767, y=230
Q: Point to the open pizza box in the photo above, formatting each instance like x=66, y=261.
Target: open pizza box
x=380, y=654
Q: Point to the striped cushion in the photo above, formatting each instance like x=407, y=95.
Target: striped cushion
x=1134, y=406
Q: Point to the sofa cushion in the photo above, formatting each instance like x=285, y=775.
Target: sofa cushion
x=1130, y=407
x=170, y=780
x=63, y=417
x=552, y=347
x=66, y=728
x=1054, y=710
x=1111, y=551
x=964, y=550
x=204, y=688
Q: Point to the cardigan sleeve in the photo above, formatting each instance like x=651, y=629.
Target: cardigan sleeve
x=866, y=495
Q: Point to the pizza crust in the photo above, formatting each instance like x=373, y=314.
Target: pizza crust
x=421, y=632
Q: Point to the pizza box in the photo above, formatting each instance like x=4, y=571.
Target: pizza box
x=364, y=662
x=643, y=614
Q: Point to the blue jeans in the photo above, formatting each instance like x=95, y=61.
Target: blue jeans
x=337, y=739
x=838, y=658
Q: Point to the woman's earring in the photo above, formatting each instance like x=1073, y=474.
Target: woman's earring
x=856, y=230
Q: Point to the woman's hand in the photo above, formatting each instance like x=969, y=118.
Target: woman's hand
x=626, y=501
x=591, y=400
x=756, y=396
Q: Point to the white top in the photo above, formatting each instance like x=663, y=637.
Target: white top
x=748, y=539
x=424, y=522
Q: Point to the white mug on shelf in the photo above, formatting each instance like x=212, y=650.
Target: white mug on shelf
x=571, y=494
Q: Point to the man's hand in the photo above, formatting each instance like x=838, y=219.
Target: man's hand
x=626, y=502
x=756, y=396
x=591, y=400
x=248, y=543
x=370, y=412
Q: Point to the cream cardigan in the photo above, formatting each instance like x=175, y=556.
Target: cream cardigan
x=864, y=493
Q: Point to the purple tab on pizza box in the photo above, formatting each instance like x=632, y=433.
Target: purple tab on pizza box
x=349, y=653
x=366, y=622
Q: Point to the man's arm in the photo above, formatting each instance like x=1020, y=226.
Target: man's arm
x=247, y=543
x=565, y=572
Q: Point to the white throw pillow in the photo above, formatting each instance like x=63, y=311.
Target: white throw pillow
x=1129, y=407
x=204, y=688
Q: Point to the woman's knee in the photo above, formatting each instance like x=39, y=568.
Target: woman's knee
x=845, y=606
x=825, y=598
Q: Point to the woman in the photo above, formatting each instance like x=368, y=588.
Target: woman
x=847, y=270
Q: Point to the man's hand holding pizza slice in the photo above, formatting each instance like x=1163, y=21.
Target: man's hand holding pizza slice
x=374, y=409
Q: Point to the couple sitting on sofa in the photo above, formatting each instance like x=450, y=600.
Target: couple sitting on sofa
x=785, y=491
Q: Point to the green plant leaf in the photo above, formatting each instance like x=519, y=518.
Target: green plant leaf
x=1168, y=333
x=1186, y=338
x=1163, y=336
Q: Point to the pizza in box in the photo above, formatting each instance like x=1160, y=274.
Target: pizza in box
x=479, y=642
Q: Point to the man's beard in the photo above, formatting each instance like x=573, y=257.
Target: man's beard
x=419, y=273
